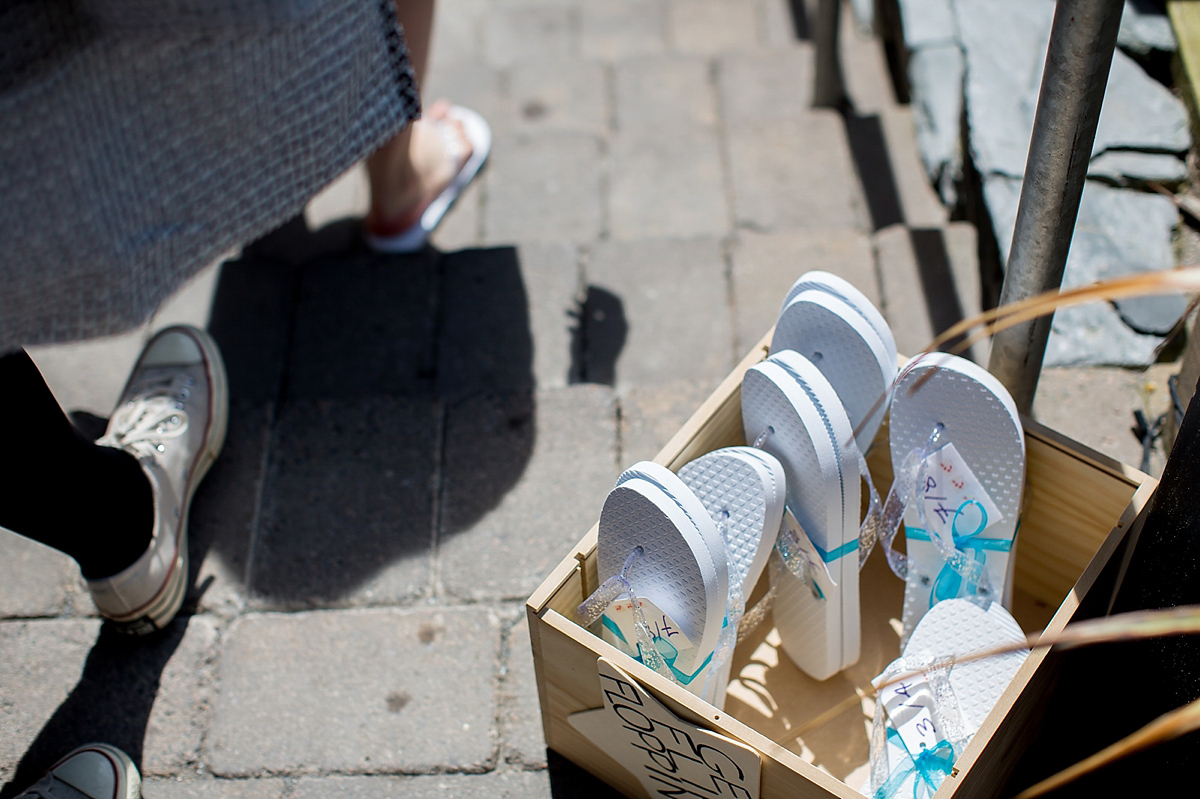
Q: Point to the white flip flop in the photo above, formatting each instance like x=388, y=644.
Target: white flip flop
x=847, y=293
x=676, y=570
x=840, y=342
x=479, y=134
x=787, y=398
x=971, y=486
x=742, y=488
x=922, y=724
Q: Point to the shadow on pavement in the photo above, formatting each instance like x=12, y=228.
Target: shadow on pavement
x=343, y=366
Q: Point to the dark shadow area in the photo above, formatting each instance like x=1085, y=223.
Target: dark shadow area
x=868, y=149
x=569, y=780
x=110, y=703
x=801, y=28
x=937, y=282
x=346, y=369
x=597, y=337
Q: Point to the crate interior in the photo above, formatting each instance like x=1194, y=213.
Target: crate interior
x=1073, y=501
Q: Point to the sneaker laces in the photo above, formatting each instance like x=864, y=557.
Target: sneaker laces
x=153, y=415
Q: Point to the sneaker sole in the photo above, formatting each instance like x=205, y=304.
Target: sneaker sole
x=167, y=602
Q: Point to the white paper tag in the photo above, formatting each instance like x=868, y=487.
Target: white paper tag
x=909, y=707
x=667, y=755
x=955, y=502
x=687, y=663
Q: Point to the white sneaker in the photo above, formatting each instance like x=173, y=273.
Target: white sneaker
x=94, y=771
x=172, y=417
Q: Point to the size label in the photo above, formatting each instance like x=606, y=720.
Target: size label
x=668, y=755
x=955, y=503
x=617, y=627
x=909, y=707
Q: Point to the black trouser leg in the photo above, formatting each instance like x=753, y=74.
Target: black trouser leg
x=57, y=487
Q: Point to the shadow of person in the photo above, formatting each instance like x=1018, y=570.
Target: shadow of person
x=111, y=702
x=342, y=364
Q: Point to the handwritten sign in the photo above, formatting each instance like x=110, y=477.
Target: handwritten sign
x=909, y=706
x=689, y=665
x=955, y=502
x=668, y=756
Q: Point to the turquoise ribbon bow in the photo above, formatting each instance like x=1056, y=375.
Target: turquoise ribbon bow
x=930, y=767
x=949, y=580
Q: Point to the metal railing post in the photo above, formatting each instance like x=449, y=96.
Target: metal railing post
x=1082, y=40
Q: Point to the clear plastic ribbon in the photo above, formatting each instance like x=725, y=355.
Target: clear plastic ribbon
x=594, y=606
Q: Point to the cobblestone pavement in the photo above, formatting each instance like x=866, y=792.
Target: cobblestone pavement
x=415, y=440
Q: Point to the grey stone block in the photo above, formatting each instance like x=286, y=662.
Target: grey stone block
x=477, y=86
x=712, y=26
x=457, y=34
x=663, y=94
x=523, y=480
x=936, y=77
x=502, y=785
x=927, y=23
x=677, y=307
x=560, y=97
x=1120, y=166
x=512, y=34
x=214, y=788
x=347, y=504
x=364, y=327
x=390, y=691
x=767, y=86
x=668, y=185
x=1145, y=28
x=521, y=736
x=543, y=188
x=778, y=29
x=920, y=205
x=765, y=265
x=35, y=580
x=778, y=185
x=651, y=415
x=613, y=31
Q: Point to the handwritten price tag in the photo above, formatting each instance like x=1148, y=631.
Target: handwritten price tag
x=909, y=706
x=955, y=502
x=667, y=755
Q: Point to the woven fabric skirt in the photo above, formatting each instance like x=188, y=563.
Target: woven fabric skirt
x=141, y=139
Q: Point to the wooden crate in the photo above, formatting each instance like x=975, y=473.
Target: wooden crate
x=1079, y=505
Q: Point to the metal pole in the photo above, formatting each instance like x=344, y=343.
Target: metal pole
x=1082, y=40
x=828, y=89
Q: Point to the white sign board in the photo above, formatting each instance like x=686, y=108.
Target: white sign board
x=669, y=756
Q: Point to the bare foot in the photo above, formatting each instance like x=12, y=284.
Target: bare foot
x=410, y=171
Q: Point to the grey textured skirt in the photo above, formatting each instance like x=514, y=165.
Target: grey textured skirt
x=141, y=139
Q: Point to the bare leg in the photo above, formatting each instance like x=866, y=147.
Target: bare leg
x=408, y=171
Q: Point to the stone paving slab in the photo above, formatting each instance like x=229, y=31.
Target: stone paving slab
x=514, y=34
x=497, y=785
x=553, y=277
x=391, y=691
x=712, y=26
x=651, y=415
x=766, y=265
x=774, y=190
x=543, y=188
x=660, y=94
x=622, y=29
x=560, y=97
x=677, y=307
x=765, y=86
x=522, y=481
x=157, y=788
x=668, y=183
x=347, y=510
